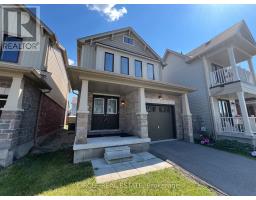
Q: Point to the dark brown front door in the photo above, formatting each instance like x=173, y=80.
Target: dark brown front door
x=105, y=112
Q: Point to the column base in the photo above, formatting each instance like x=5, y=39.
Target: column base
x=81, y=127
x=142, y=125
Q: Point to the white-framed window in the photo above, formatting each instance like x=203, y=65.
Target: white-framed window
x=128, y=40
x=112, y=106
x=3, y=99
x=98, y=106
x=150, y=71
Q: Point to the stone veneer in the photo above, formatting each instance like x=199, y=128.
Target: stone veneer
x=188, y=128
x=9, y=135
x=17, y=128
x=81, y=128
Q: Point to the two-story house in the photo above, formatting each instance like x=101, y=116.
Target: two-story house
x=223, y=73
x=122, y=98
x=33, y=90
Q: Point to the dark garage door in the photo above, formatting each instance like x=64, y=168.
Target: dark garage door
x=161, y=122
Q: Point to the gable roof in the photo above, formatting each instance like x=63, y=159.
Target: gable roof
x=237, y=28
x=121, y=30
x=169, y=51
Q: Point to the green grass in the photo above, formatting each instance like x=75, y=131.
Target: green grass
x=55, y=174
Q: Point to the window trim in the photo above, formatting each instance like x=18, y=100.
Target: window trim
x=121, y=65
x=153, y=71
x=113, y=61
x=1, y=49
x=129, y=38
x=135, y=68
x=112, y=113
x=102, y=104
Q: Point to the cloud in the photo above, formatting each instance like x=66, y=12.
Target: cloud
x=71, y=62
x=108, y=10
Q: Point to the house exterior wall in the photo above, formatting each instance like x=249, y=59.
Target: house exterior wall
x=93, y=56
x=180, y=72
x=33, y=59
x=50, y=117
x=57, y=77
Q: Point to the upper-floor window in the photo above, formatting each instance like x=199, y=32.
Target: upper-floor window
x=150, y=71
x=10, y=50
x=124, y=65
x=138, y=68
x=109, y=62
x=128, y=40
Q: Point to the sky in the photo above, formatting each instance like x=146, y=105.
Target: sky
x=177, y=27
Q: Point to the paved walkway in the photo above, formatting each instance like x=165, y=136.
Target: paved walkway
x=142, y=163
x=231, y=173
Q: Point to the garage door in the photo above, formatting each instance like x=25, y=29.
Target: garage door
x=161, y=122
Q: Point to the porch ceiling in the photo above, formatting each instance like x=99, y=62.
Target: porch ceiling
x=102, y=81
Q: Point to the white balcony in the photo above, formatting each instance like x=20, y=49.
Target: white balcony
x=227, y=75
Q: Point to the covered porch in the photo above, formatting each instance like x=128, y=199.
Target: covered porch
x=113, y=103
x=234, y=116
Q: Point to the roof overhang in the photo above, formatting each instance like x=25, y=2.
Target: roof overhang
x=76, y=74
x=31, y=73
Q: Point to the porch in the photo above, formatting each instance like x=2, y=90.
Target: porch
x=234, y=116
x=113, y=103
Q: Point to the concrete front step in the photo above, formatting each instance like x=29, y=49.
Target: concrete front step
x=104, y=132
x=117, y=154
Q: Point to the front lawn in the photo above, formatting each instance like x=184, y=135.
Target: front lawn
x=55, y=174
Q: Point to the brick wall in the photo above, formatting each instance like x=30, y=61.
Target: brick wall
x=51, y=116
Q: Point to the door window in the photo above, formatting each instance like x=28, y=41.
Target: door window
x=112, y=106
x=98, y=107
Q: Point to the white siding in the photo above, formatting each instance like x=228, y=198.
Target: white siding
x=191, y=75
x=92, y=57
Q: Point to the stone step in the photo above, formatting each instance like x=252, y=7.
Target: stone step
x=117, y=154
x=104, y=132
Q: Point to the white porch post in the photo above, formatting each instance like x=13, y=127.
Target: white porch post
x=82, y=115
x=232, y=62
x=244, y=112
x=252, y=69
x=187, y=119
x=142, y=102
x=142, y=118
x=14, y=100
x=83, y=104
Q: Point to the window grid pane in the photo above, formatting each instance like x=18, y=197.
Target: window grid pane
x=112, y=106
x=109, y=62
x=150, y=71
x=124, y=65
x=98, y=107
x=138, y=68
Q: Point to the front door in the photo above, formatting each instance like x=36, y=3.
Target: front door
x=105, y=112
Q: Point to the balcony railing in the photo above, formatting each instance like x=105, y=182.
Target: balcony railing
x=232, y=125
x=227, y=75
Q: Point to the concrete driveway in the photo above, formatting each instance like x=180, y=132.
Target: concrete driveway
x=231, y=173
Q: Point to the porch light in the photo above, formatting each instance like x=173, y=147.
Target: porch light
x=160, y=97
x=122, y=102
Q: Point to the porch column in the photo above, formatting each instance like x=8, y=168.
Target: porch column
x=82, y=115
x=14, y=99
x=251, y=69
x=232, y=62
x=142, y=115
x=187, y=119
x=244, y=112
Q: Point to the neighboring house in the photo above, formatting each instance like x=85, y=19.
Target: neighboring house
x=33, y=92
x=73, y=106
x=226, y=91
x=119, y=79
